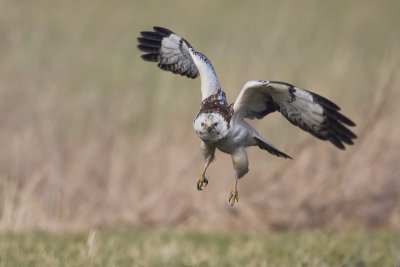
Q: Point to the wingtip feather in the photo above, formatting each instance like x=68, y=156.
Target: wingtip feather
x=163, y=30
x=152, y=57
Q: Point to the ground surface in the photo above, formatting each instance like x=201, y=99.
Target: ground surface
x=188, y=248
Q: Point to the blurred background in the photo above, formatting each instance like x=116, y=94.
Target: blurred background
x=93, y=136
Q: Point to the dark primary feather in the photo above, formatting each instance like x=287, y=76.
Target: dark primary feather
x=162, y=30
x=329, y=105
x=331, y=129
x=174, y=56
x=300, y=107
x=152, y=35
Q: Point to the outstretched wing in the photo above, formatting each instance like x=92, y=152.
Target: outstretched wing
x=175, y=54
x=169, y=50
x=311, y=112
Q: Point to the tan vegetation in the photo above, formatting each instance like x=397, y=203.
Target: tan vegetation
x=172, y=247
x=92, y=135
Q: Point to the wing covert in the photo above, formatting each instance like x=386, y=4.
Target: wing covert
x=309, y=111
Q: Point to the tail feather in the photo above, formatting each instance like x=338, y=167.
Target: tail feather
x=270, y=148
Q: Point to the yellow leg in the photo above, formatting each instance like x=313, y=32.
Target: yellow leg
x=203, y=181
x=234, y=195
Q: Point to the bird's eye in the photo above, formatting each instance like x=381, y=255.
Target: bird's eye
x=215, y=124
x=202, y=124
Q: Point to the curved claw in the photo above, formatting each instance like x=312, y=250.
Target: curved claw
x=233, y=196
x=199, y=185
x=203, y=181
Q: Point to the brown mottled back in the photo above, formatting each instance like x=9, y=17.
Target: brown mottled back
x=217, y=104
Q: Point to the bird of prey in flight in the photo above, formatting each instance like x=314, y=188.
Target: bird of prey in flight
x=222, y=125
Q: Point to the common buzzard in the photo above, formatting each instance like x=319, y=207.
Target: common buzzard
x=222, y=125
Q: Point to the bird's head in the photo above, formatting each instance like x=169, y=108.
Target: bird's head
x=210, y=126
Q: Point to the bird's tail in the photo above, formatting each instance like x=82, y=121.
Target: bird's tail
x=263, y=144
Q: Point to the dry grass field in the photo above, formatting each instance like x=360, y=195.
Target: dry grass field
x=91, y=135
x=192, y=248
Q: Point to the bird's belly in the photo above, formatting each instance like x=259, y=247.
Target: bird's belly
x=230, y=143
x=236, y=137
x=225, y=145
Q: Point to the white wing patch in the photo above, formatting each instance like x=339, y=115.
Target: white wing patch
x=175, y=54
x=169, y=50
x=311, y=112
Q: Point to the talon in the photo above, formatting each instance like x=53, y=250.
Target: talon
x=199, y=185
x=234, y=196
x=202, y=182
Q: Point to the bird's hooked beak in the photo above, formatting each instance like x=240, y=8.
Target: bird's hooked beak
x=209, y=128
